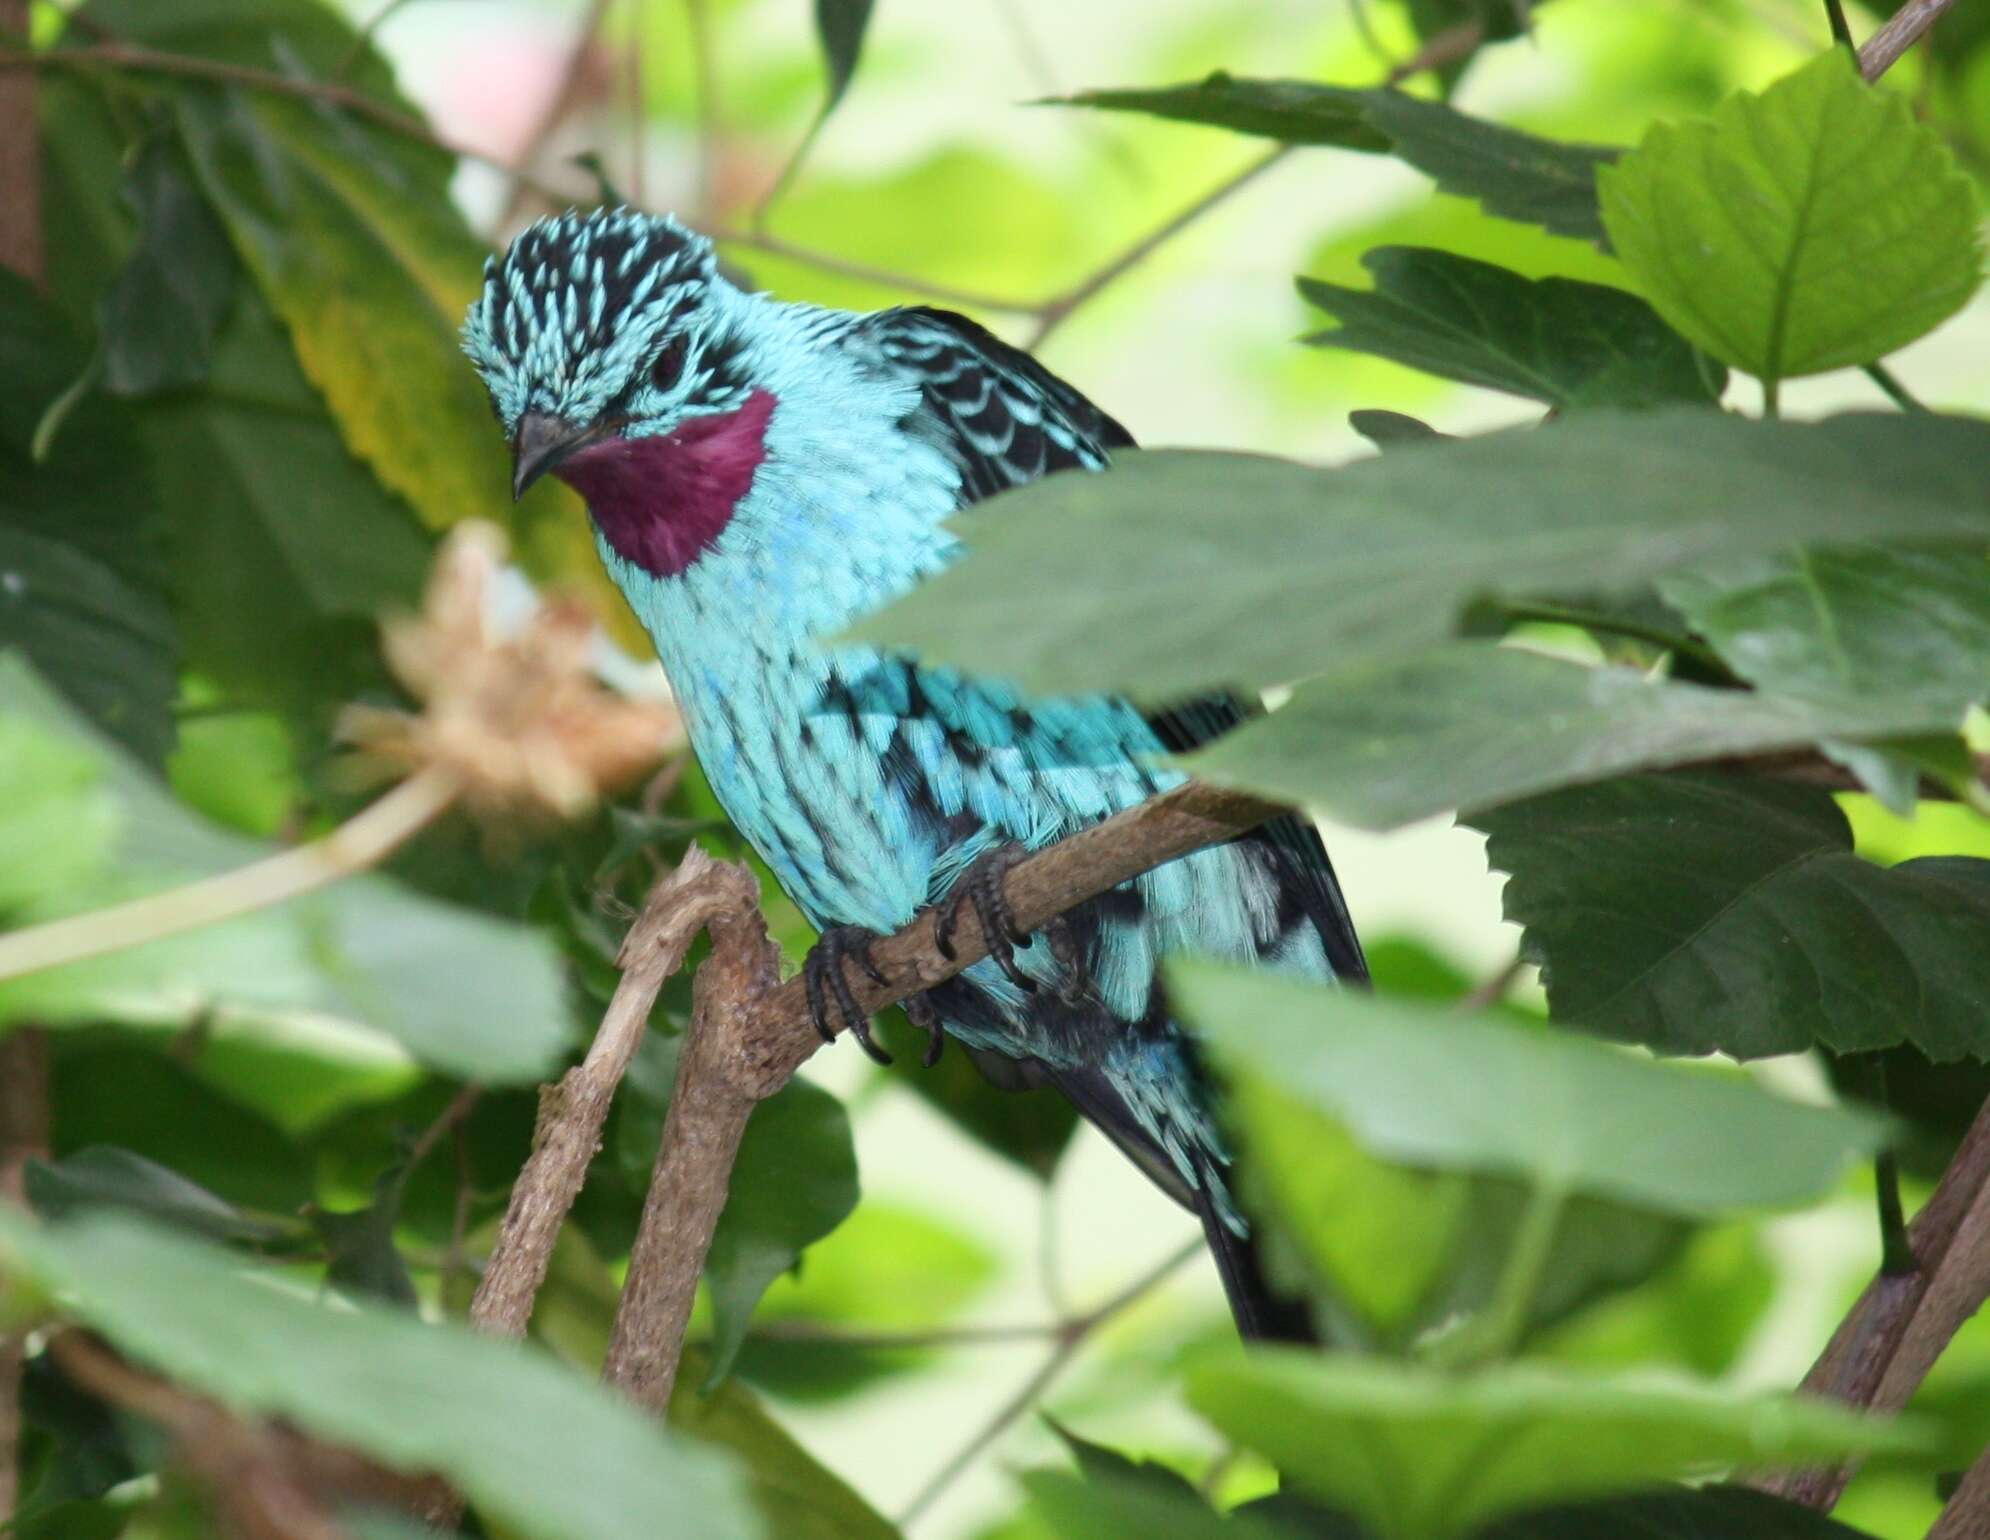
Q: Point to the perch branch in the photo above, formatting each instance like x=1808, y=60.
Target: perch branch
x=1966, y=1515
x=1899, y=1326
x=1903, y=30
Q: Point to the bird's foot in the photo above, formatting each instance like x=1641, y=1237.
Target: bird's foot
x=920, y=1012
x=827, y=985
x=981, y=886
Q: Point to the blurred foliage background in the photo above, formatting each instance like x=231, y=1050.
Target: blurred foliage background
x=304, y=481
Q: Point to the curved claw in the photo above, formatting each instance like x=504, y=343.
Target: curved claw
x=824, y=981
x=920, y=1012
x=981, y=886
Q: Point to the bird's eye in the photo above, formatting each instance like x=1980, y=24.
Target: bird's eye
x=669, y=364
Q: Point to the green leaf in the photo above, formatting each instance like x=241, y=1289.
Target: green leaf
x=57, y=825
x=1031, y=1127
x=1393, y=430
x=82, y=571
x=800, y=1498
x=795, y=1180
x=1475, y=724
x=1692, y=1513
x=1858, y=623
x=102, y=1176
x=1420, y=1455
x=1814, y=226
x=1112, y=1509
x=534, y=1446
x=159, y=317
x=1702, y=913
x=1513, y=175
x=1556, y=340
x=1420, y=1084
x=475, y=995
x=839, y=27
x=1290, y=111
x=1308, y=567
x=360, y=1254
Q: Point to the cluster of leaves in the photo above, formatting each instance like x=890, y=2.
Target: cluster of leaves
x=229, y=435
x=1718, y=586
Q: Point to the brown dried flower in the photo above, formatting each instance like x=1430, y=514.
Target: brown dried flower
x=518, y=721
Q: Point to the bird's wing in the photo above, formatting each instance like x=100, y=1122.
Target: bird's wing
x=1004, y=419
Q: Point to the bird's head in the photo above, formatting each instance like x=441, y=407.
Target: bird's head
x=612, y=348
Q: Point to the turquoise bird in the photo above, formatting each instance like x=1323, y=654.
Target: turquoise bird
x=760, y=474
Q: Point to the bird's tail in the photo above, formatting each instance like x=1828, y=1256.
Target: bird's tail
x=1262, y=1314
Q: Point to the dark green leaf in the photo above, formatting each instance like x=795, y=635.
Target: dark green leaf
x=1420, y=1455
x=1474, y=724
x=1688, y=1513
x=840, y=26
x=1515, y=175
x=159, y=317
x=1290, y=111
x=73, y=1447
x=1555, y=340
x=1311, y=567
x=1425, y=1086
x=1030, y=1127
x=535, y=1446
x=1772, y=235
x=102, y=1176
x=1393, y=430
x=1856, y=623
x=359, y=1243
x=82, y=571
x=800, y=1498
x=1102, y=1466
x=1703, y=913
x=1120, y=1510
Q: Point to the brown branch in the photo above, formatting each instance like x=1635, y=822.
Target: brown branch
x=1891, y=1337
x=715, y=1094
x=571, y=1113
x=1907, y=27
x=705, y=79
x=24, y=1102
x=1966, y=1515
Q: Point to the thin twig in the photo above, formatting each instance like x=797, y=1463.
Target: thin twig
x=1069, y=1341
x=566, y=96
x=448, y=1120
x=1493, y=989
x=1906, y=28
x=775, y=246
x=362, y=841
x=1841, y=29
x=1055, y=312
x=1891, y=1337
x=363, y=39
x=632, y=78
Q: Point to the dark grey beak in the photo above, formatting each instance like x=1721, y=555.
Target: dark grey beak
x=542, y=442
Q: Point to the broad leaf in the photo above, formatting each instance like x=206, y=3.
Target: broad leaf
x=539, y=1449
x=1030, y=1128
x=1515, y=175
x=475, y=995
x=1859, y=623
x=1419, y=1455
x=1813, y=226
x=1393, y=430
x=57, y=824
x=798, y=1496
x=840, y=26
x=102, y=1176
x=1703, y=913
x=160, y=316
x=1712, y=1512
x=1556, y=340
x=1425, y=1086
x=795, y=1180
x=82, y=563
x=1474, y=724
x=1235, y=569
x=1118, y=1509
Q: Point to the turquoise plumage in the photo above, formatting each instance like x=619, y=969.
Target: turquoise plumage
x=760, y=474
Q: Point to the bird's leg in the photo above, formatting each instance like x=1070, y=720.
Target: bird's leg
x=824, y=979
x=981, y=886
x=920, y=1012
